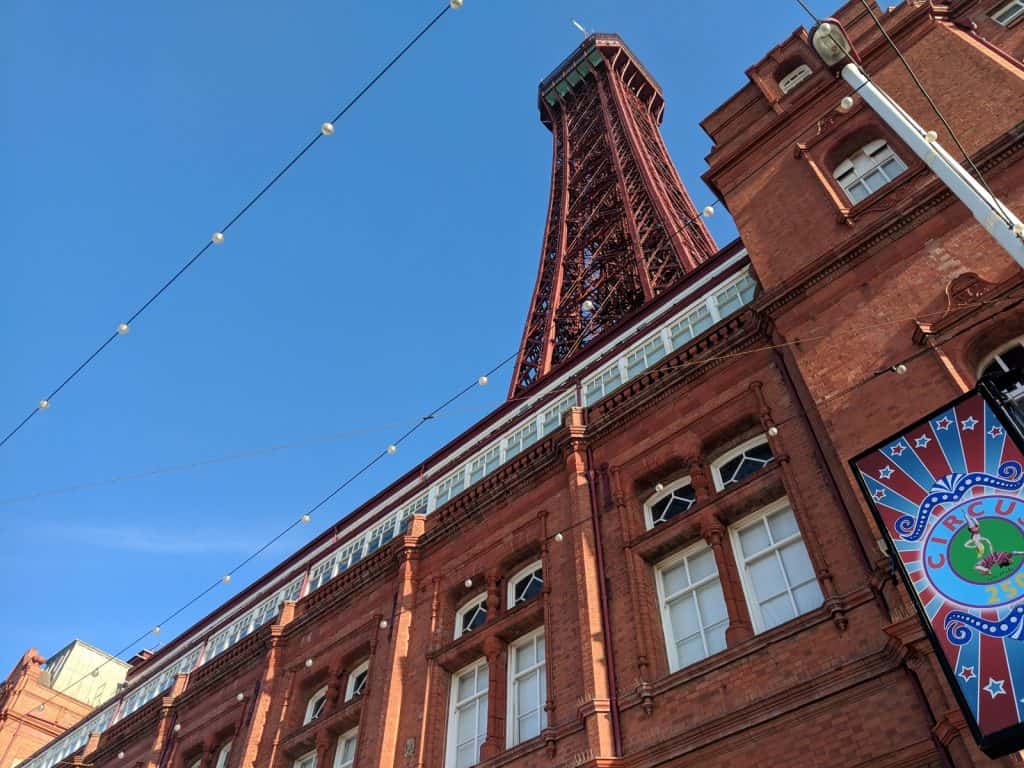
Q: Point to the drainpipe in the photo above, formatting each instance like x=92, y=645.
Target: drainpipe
x=603, y=594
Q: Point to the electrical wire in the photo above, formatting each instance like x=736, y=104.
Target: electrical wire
x=45, y=402
x=301, y=520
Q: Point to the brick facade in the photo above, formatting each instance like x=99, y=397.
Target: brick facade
x=846, y=291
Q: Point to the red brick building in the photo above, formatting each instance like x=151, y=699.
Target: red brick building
x=654, y=554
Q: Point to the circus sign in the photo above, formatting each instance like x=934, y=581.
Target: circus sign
x=948, y=492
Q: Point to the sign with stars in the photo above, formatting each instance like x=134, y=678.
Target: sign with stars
x=948, y=493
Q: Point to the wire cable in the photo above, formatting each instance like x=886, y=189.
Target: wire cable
x=45, y=402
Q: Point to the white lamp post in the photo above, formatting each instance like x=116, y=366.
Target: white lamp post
x=832, y=44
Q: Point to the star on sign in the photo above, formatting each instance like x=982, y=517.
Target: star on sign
x=885, y=472
x=922, y=441
x=879, y=494
x=967, y=673
x=994, y=687
x=897, y=450
x=943, y=423
x=995, y=432
x=969, y=423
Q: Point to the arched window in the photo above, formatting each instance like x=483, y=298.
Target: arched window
x=743, y=460
x=315, y=706
x=470, y=616
x=868, y=169
x=793, y=78
x=672, y=500
x=1006, y=367
x=526, y=584
x=357, y=680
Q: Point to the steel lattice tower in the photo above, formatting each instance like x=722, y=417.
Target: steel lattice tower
x=621, y=228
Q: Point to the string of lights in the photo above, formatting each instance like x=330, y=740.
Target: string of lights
x=218, y=237
x=305, y=518
x=223, y=458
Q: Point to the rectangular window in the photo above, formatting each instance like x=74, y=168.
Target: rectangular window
x=690, y=326
x=551, y=419
x=527, y=688
x=451, y=486
x=467, y=716
x=1009, y=12
x=603, y=383
x=777, y=575
x=521, y=439
x=345, y=753
x=484, y=464
x=731, y=298
x=693, y=613
x=321, y=573
x=308, y=760
x=650, y=352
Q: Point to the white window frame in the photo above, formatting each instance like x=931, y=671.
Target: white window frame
x=484, y=463
x=878, y=151
x=450, y=487
x=1007, y=13
x=339, y=752
x=320, y=694
x=551, y=417
x=725, y=458
x=666, y=620
x=512, y=736
x=478, y=667
x=521, y=439
x=350, y=684
x=223, y=755
x=1017, y=395
x=749, y=594
x=666, y=491
x=790, y=81
x=519, y=576
x=467, y=608
x=307, y=760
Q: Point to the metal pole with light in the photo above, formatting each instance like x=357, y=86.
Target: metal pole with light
x=833, y=45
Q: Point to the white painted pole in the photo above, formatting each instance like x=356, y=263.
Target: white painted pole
x=967, y=189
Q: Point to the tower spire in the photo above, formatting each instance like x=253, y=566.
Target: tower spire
x=621, y=228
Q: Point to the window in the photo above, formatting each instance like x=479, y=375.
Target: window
x=690, y=326
x=315, y=707
x=451, y=486
x=740, y=462
x=526, y=584
x=222, y=755
x=1006, y=366
x=675, y=499
x=603, y=383
x=345, y=753
x=467, y=716
x=521, y=439
x=484, y=464
x=308, y=760
x=777, y=575
x=735, y=295
x=1008, y=12
x=527, y=688
x=645, y=356
x=470, y=616
x=693, y=613
x=357, y=680
x=321, y=573
x=794, y=78
x=868, y=169
x=551, y=419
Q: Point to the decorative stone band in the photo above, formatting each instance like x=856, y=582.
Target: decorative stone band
x=959, y=626
x=951, y=488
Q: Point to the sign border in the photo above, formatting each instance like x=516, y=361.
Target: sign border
x=998, y=743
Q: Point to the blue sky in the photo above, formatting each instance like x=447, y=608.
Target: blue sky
x=387, y=270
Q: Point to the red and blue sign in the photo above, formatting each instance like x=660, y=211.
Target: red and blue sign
x=948, y=493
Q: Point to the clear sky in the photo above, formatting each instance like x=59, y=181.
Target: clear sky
x=387, y=270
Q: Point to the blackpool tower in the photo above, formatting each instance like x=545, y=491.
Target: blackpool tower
x=621, y=228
